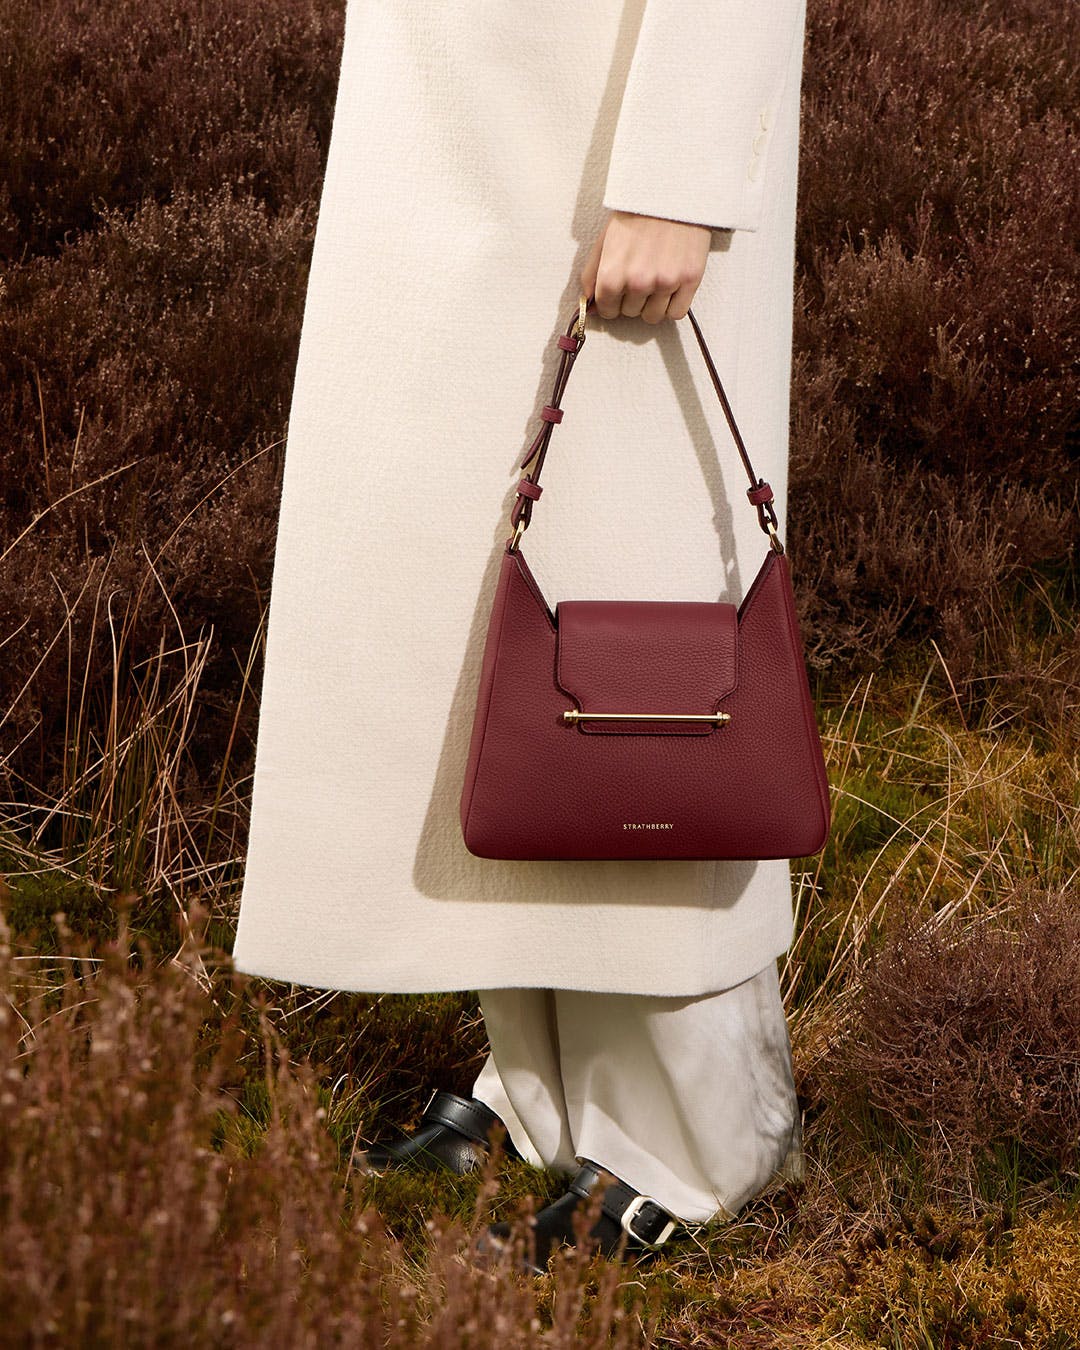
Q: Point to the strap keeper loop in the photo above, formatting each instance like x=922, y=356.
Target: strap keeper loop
x=527, y=488
x=551, y=414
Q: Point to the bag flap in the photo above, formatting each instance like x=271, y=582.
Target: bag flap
x=646, y=656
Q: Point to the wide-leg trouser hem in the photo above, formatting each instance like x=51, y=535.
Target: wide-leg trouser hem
x=688, y=1099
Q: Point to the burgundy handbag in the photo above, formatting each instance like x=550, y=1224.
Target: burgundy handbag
x=642, y=728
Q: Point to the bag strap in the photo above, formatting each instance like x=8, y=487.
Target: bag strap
x=570, y=343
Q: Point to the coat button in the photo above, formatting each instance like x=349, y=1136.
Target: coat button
x=759, y=143
x=765, y=118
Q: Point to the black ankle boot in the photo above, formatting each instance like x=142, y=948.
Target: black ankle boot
x=453, y=1133
x=645, y=1224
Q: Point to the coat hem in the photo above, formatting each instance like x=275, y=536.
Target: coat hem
x=405, y=985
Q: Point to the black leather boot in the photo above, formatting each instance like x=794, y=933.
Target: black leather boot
x=644, y=1223
x=453, y=1132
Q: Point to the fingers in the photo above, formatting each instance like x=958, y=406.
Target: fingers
x=646, y=267
x=680, y=302
x=634, y=300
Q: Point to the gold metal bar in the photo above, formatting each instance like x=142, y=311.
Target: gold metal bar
x=579, y=326
x=574, y=715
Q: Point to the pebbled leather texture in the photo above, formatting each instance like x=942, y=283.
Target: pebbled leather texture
x=453, y=1133
x=652, y=656
x=538, y=787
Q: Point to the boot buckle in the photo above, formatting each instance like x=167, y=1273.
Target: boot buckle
x=630, y=1213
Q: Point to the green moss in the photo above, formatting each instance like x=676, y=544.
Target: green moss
x=33, y=899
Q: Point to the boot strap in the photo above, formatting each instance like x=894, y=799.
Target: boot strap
x=644, y=1218
x=473, y=1119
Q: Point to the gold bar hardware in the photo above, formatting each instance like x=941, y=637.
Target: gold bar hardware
x=574, y=715
x=579, y=326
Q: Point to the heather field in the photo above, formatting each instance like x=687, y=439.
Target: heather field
x=178, y=1142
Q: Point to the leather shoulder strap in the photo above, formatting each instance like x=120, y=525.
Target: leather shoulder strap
x=570, y=343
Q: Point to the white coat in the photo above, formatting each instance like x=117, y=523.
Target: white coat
x=477, y=147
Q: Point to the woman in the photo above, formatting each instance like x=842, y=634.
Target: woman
x=488, y=162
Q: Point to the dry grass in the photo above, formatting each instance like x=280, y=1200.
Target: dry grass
x=178, y=1143
x=139, y=1208
x=214, y=1130
x=160, y=177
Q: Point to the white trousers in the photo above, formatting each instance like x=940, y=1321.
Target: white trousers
x=688, y=1099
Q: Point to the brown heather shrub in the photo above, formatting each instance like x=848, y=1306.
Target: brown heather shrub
x=147, y=366
x=143, y=1206
x=159, y=184
x=934, y=401
x=159, y=180
x=108, y=104
x=898, y=551
x=970, y=1039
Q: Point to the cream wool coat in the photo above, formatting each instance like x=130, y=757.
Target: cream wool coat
x=477, y=148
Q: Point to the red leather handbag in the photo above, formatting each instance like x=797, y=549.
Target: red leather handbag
x=642, y=728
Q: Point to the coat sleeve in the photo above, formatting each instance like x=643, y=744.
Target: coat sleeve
x=698, y=112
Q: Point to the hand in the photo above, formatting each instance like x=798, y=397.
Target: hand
x=647, y=267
